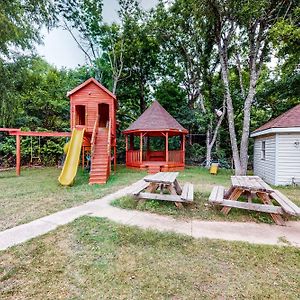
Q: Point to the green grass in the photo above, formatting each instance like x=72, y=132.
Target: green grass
x=203, y=184
x=92, y=258
x=37, y=193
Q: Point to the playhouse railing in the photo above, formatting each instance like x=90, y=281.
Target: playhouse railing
x=109, y=146
x=93, y=139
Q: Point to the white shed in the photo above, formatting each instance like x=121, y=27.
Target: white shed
x=276, y=156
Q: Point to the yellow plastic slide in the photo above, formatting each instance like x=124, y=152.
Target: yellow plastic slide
x=69, y=170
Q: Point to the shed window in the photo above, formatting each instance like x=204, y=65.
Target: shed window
x=263, y=150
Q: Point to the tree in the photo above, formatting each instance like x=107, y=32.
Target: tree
x=246, y=26
x=102, y=44
x=141, y=50
x=21, y=21
x=187, y=52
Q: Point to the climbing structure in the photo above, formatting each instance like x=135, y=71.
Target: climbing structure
x=93, y=108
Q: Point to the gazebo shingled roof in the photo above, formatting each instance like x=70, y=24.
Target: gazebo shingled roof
x=290, y=118
x=155, y=118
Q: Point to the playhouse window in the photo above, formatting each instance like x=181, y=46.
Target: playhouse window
x=80, y=115
x=263, y=150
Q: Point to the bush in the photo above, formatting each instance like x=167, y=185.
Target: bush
x=195, y=153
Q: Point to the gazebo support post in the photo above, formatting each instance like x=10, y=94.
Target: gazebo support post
x=141, y=148
x=183, y=148
x=126, y=148
x=148, y=146
x=18, y=155
x=167, y=147
x=131, y=142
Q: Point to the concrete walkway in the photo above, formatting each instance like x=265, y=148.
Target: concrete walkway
x=231, y=231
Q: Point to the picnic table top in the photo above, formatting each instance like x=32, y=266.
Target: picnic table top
x=251, y=183
x=162, y=177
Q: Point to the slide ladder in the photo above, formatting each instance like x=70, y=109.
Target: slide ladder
x=70, y=167
x=100, y=160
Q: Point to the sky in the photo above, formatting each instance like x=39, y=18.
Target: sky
x=60, y=49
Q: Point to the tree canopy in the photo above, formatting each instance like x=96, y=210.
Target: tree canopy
x=222, y=68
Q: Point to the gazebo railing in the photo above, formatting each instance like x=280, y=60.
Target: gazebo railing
x=176, y=156
x=133, y=156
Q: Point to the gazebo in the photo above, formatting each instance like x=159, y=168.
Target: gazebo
x=155, y=124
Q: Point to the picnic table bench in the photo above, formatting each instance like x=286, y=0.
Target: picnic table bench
x=251, y=186
x=164, y=186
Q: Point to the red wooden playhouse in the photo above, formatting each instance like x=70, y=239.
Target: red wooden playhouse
x=93, y=125
x=93, y=108
x=155, y=122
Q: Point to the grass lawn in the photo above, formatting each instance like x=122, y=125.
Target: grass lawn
x=203, y=184
x=93, y=258
x=37, y=193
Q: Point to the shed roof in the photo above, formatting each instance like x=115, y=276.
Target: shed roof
x=289, y=119
x=155, y=118
x=93, y=80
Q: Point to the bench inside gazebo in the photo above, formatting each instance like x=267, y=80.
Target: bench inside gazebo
x=154, y=129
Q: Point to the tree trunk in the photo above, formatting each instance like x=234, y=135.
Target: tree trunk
x=115, y=83
x=208, y=149
x=142, y=99
x=246, y=124
x=230, y=112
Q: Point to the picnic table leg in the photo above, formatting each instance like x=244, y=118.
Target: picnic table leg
x=228, y=192
x=152, y=187
x=235, y=194
x=266, y=200
x=173, y=191
x=177, y=187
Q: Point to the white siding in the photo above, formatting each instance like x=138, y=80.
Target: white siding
x=265, y=168
x=288, y=158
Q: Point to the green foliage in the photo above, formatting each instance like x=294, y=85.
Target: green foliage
x=195, y=153
x=168, y=53
x=21, y=21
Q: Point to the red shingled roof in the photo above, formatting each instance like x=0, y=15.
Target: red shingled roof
x=155, y=118
x=291, y=118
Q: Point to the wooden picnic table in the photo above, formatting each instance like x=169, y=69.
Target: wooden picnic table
x=168, y=188
x=253, y=186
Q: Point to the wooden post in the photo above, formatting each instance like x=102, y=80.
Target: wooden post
x=82, y=158
x=148, y=147
x=115, y=158
x=167, y=147
x=126, y=149
x=183, y=148
x=141, y=147
x=18, y=155
x=131, y=141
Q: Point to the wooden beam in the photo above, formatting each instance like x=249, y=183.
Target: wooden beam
x=183, y=149
x=18, y=155
x=167, y=147
x=141, y=147
x=131, y=142
x=252, y=206
x=115, y=159
x=126, y=142
x=264, y=197
x=172, y=198
x=82, y=157
x=41, y=133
